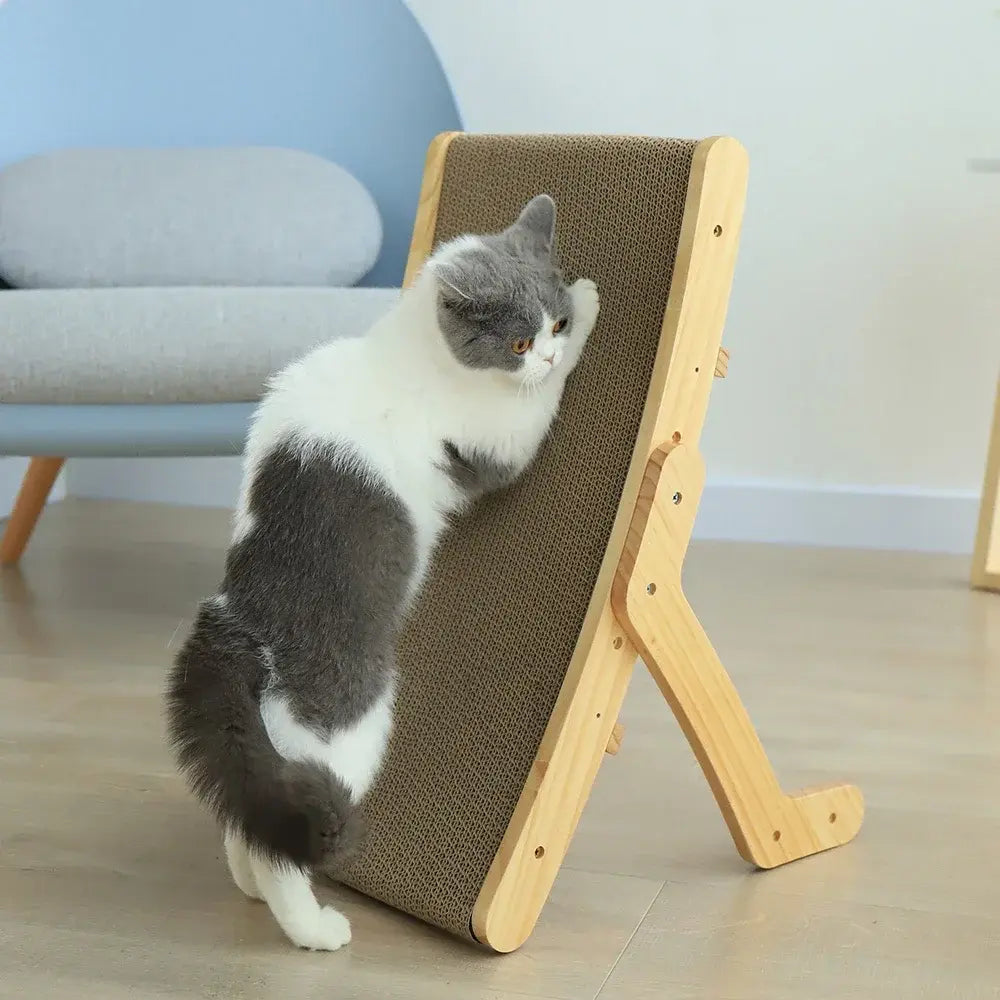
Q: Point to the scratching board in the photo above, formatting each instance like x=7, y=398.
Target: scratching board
x=517, y=656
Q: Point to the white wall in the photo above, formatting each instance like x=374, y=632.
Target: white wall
x=865, y=319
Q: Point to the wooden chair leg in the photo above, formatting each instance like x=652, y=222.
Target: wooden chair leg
x=986, y=554
x=768, y=826
x=35, y=488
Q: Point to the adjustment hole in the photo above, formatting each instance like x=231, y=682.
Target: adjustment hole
x=618, y=642
x=717, y=231
x=697, y=369
x=676, y=437
x=539, y=852
x=776, y=835
x=833, y=817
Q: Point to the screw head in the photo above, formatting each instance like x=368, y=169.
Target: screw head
x=677, y=497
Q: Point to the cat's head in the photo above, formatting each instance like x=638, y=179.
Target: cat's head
x=501, y=300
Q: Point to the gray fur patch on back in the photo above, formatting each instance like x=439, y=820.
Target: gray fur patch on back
x=493, y=291
x=321, y=581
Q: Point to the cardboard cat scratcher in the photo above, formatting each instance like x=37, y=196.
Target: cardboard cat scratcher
x=518, y=654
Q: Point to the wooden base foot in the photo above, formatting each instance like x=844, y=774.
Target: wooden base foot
x=768, y=826
x=35, y=488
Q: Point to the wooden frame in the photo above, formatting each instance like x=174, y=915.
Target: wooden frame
x=638, y=606
x=986, y=554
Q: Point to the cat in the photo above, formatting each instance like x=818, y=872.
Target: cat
x=279, y=703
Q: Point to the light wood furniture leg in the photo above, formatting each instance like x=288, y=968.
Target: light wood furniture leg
x=986, y=554
x=31, y=497
x=768, y=827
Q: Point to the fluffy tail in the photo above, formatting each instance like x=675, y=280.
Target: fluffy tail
x=289, y=811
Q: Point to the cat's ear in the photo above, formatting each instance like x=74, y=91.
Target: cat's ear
x=538, y=221
x=450, y=282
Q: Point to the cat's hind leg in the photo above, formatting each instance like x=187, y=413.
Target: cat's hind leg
x=287, y=892
x=238, y=859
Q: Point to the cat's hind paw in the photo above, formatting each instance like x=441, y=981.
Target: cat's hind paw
x=240, y=868
x=248, y=888
x=327, y=931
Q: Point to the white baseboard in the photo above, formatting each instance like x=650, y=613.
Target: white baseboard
x=914, y=519
x=784, y=513
x=11, y=473
x=188, y=482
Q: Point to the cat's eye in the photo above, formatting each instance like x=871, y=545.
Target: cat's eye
x=559, y=326
x=520, y=346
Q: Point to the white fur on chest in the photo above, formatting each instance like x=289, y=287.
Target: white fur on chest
x=353, y=754
x=391, y=399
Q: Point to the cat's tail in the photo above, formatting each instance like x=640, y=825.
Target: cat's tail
x=288, y=811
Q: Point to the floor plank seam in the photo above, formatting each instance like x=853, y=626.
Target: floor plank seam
x=628, y=943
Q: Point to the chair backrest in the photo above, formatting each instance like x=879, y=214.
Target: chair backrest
x=358, y=83
x=518, y=586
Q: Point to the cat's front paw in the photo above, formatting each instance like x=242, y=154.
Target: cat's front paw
x=328, y=931
x=586, y=304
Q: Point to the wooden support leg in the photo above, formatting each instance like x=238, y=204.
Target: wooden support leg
x=35, y=487
x=769, y=827
x=986, y=555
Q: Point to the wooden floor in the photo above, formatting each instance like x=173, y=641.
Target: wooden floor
x=883, y=668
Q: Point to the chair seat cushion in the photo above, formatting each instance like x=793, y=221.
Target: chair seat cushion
x=79, y=218
x=167, y=345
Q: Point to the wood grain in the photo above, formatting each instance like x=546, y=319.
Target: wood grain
x=35, y=488
x=986, y=554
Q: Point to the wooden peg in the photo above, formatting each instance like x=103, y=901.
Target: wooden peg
x=722, y=363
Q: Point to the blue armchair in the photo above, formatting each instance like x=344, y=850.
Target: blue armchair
x=356, y=83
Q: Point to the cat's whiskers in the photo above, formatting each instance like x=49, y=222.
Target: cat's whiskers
x=526, y=389
x=534, y=381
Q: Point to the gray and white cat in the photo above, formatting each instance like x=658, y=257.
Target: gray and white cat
x=280, y=701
